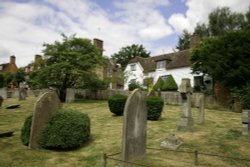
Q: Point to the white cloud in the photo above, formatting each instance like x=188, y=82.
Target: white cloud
x=198, y=11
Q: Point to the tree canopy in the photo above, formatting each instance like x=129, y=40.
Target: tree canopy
x=184, y=41
x=70, y=63
x=129, y=52
x=222, y=21
x=226, y=58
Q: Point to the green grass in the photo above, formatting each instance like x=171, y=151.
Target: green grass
x=221, y=134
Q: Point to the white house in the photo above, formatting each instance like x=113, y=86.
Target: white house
x=176, y=64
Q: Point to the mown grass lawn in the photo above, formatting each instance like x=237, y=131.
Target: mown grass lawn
x=221, y=134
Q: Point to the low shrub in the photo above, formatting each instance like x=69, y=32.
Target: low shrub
x=245, y=101
x=133, y=86
x=154, y=107
x=67, y=129
x=169, y=84
x=117, y=103
x=25, y=131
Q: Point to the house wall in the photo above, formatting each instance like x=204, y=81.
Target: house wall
x=129, y=74
x=177, y=74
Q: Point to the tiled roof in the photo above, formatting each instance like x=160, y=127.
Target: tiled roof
x=174, y=60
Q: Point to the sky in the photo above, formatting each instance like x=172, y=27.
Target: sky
x=25, y=25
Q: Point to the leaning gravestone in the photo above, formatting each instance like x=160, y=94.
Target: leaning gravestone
x=134, y=127
x=46, y=104
x=186, y=121
x=22, y=94
x=70, y=95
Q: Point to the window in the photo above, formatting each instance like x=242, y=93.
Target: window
x=198, y=81
x=161, y=64
x=132, y=67
x=132, y=81
x=1, y=67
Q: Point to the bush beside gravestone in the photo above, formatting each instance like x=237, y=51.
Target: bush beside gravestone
x=154, y=107
x=116, y=103
x=67, y=129
x=25, y=131
x=169, y=84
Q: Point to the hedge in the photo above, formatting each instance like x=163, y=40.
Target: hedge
x=154, y=107
x=117, y=103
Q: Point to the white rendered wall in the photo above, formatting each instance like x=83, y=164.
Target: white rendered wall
x=129, y=75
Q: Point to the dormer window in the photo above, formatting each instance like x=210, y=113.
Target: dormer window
x=132, y=67
x=161, y=64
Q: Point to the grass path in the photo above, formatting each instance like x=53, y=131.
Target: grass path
x=221, y=134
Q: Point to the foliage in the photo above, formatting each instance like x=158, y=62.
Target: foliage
x=222, y=21
x=69, y=63
x=184, y=41
x=25, y=131
x=117, y=103
x=67, y=129
x=158, y=84
x=95, y=84
x=224, y=58
x=154, y=107
x=19, y=76
x=2, y=81
x=245, y=97
x=169, y=84
x=134, y=85
x=129, y=52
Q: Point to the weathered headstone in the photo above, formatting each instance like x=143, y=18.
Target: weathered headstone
x=134, y=127
x=186, y=120
x=46, y=104
x=171, y=142
x=201, y=114
x=3, y=93
x=245, y=122
x=70, y=95
x=22, y=94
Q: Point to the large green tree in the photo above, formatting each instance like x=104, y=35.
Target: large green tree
x=226, y=58
x=222, y=21
x=129, y=52
x=184, y=41
x=70, y=63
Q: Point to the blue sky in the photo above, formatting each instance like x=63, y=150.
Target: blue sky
x=156, y=24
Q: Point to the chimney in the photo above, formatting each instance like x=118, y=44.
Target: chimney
x=98, y=43
x=194, y=40
x=12, y=59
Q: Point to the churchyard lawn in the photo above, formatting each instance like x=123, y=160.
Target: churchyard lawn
x=220, y=134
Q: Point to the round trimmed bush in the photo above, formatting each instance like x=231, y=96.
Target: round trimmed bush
x=154, y=107
x=25, y=131
x=117, y=103
x=67, y=129
x=169, y=84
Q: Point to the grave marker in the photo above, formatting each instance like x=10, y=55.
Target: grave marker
x=134, y=127
x=186, y=121
x=46, y=104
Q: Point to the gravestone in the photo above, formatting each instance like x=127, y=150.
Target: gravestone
x=134, y=127
x=245, y=122
x=22, y=94
x=3, y=93
x=70, y=95
x=201, y=114
x=46, y=104
x=186, y=120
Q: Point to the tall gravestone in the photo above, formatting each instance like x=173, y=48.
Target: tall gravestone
x=134, y=127
x=186, y=120
x=246, y=122
x=201, y=114
x=46, y=104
